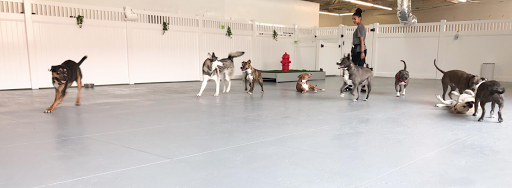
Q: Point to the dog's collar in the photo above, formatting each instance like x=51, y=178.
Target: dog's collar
x=303, y=82
x=404, y=81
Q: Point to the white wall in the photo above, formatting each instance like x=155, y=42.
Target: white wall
x=285, y=12
x=485, y=10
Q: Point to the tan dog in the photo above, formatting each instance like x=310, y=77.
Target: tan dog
x=252, y=76
x=303, y=86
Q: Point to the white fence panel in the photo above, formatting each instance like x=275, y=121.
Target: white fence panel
x=329, y=55
x=60, y=39
x=479, y=42
x=14, y=66
x=416, y=45
x=157, y=57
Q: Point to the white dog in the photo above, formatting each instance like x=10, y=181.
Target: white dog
x=465, y=102
x=463, y=105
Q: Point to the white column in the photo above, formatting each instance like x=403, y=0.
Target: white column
x=31, y=47
x=442, y=30
x=129, y=51
x=374, y=46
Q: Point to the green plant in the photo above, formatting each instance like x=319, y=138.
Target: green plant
x=275, y=35
x=296, y=42
x=228, y=32
x=223, y=27
x=79, y=20
x=165, y=27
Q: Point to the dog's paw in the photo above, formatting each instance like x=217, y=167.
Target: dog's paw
x=316, y=91
x=216, y=95
x=366, y=100
x=500, y=120
x=492, y=116
x=198, y=95
x=481, y=119
x=249, y=93
x=323, y=89
x=355, y=100
x=342, y=95
x=49, y=110
x=403, y=94
x=77, y=104
x=474, y=114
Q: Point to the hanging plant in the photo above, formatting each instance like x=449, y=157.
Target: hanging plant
x=165, y=27
x=275, y=35
x=223, y=27
x=228, y=32
x=296, y=42
x=79, y=21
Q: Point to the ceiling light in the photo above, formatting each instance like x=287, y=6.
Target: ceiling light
x=328, y=13
x=373, y=5
x=334, y=14
x=462, y=0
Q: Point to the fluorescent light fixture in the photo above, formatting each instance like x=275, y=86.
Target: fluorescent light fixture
x=328, y=13
x=373, y=5
x=334, y=14
x=462, y=0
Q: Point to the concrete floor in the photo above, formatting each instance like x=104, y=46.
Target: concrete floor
x=162, y=135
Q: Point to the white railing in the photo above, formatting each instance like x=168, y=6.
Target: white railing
x=55, y=9
x=418, y=28
x=270, y=28
x=13, y=6
x=490, y=25
x=327, y=31
x=159, y=18
x=306, y=32
x=234, y=25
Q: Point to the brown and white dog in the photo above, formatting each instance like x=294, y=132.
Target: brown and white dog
x=252, y=76
x=63, y=76
x=303, y=86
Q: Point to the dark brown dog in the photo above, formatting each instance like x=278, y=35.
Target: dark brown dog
x=63, y=77
x=252, y=76
x=458, y=79
x=490, y=91
x=303, y=86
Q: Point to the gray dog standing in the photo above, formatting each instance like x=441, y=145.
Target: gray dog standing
x=358, y=75
x=401, y=80
x=490, y=91
x=458, y=79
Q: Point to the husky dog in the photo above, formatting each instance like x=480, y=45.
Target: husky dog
x=214, y=69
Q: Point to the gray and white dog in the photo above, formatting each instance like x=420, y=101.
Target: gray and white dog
x=214, y=69
x=358, y=75
x=401, y=80
x=490, y=91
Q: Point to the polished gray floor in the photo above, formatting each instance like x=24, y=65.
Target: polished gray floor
x=162, y=135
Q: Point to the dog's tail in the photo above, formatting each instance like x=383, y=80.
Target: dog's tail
x=405, y=65
x=368, y=66
x=235, y=54
x=438, y=67
x=500, y=91
x=82, y=60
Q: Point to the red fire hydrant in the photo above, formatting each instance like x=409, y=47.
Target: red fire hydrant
x=286, y=62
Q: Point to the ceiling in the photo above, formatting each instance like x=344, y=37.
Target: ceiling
x=343, y=6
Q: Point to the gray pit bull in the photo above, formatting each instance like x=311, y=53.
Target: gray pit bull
x=490, y=91
x=401, y=80
x=358, y=75
x=458, y=79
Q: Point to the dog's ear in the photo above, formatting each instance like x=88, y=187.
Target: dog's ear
x=249, y=62
x=54, y=69
x=483, y=79
x=213, y=54
x=348, y=56
x=209, y=56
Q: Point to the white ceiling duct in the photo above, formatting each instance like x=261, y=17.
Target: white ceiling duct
x=404, y=13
